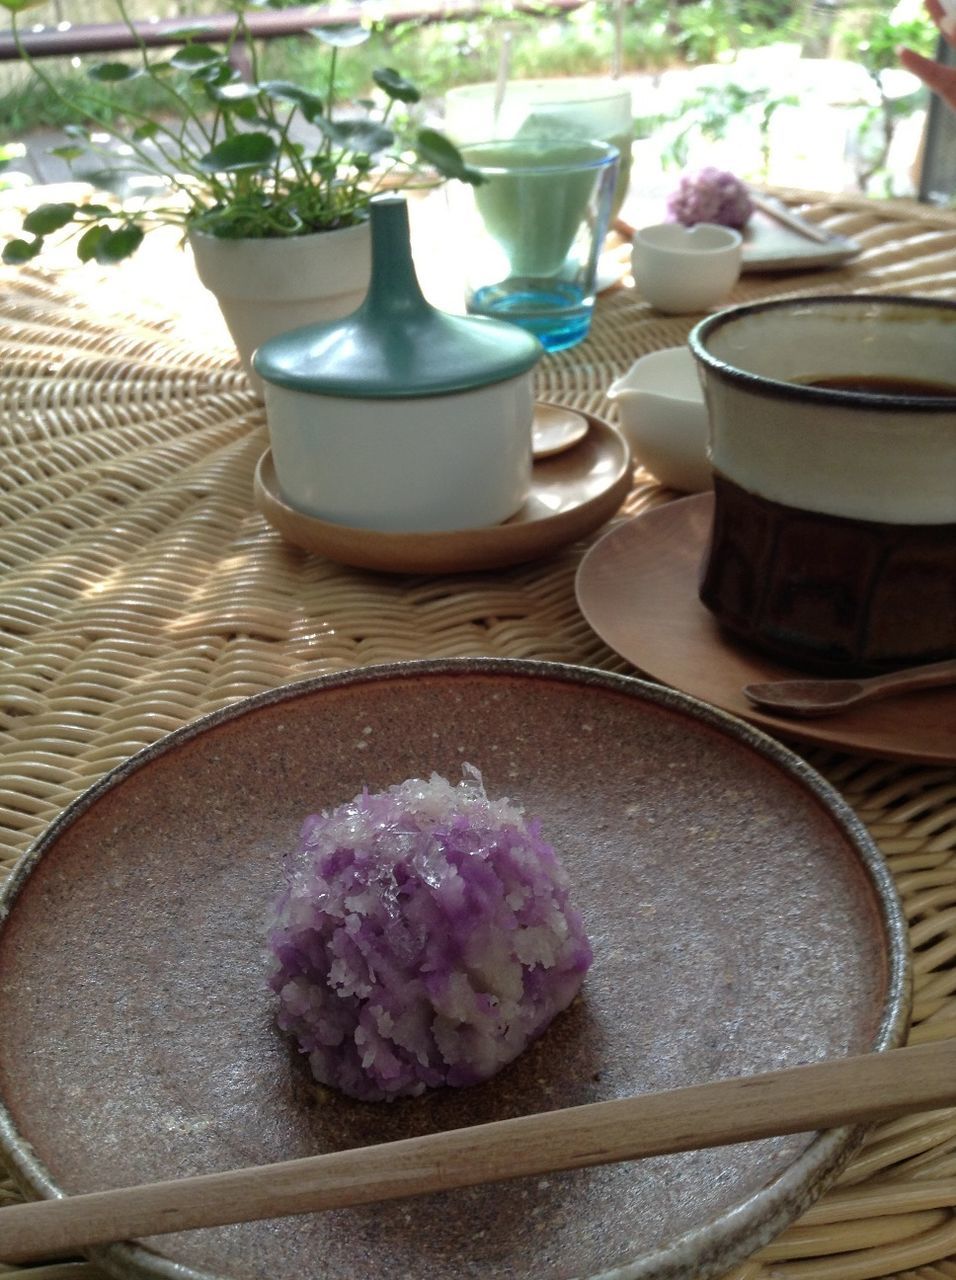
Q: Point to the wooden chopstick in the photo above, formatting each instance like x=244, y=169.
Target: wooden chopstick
x=801, y=1099
x=788, y=219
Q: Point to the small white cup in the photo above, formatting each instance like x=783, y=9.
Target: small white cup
x=684, y=269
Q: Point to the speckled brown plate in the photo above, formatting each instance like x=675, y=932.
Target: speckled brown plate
x=741, y=920
x=572, y=493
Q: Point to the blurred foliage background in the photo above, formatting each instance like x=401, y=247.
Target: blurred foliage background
x=634, y=37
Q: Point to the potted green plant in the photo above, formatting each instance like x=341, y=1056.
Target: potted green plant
x=269, y=183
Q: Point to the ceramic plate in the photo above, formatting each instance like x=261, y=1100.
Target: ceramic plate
x=571, y=494
x=637, y=587
x=771, y=246
x=768, y=244
x=740, y=918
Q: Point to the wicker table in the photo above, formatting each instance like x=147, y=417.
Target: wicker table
x=140, y=589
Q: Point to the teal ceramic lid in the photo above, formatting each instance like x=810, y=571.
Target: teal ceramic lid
x=396, y=344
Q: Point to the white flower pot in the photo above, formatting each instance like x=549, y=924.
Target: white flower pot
x=268, y=287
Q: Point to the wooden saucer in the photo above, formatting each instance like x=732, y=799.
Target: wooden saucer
x=571, y=494
x=637, y=587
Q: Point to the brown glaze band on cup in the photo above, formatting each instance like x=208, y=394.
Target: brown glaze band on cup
x=834, y=537
x=828, y=593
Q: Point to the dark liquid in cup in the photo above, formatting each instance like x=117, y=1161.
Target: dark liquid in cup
x=877, y=385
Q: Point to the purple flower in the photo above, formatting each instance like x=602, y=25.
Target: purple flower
x=710, y=195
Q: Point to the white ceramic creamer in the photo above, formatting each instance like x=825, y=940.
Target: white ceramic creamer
x=663, y=416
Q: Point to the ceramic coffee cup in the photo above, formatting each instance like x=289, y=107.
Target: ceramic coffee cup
x=832, y=434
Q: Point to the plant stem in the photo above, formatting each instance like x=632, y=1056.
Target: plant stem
x=186, y=109
x=242, y=28
x=326, y=183
x=148, y=161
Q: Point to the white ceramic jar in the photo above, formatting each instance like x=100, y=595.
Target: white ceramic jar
x=400, y=417
x=417, y=465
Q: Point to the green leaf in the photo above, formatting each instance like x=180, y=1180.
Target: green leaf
x=395, y=85
x=323, y=165
x=48, y=217
x=233, y=98
x=117, y=245
x=88, y=242
x=113, y=72
x=362, y=136
x=237, y=91
x=191, y=56
x=17, y=251
x=18, y=6
x=97, y=210
x=243, y=152
x=213, y=75
x=68, y=153
x=145, y=131
x=310, y=104
x=435, y=149
x=341, y=37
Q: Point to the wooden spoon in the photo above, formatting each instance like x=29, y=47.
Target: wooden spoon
x=555, y=429
x=826, y=697
x=823, y=1095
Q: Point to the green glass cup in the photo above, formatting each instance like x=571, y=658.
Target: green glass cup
x=531, y=232
x=580, y=107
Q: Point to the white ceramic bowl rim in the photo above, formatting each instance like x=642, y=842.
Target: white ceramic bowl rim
x=688, y=242
x=760, y=384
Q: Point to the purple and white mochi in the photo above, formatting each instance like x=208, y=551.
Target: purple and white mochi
x=424, y=937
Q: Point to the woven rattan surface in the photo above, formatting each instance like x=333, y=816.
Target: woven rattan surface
x=140, y=589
